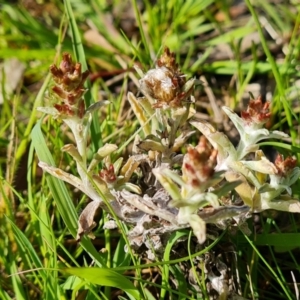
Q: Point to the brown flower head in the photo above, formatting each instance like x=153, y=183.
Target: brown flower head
x=108, y=174
x=285, y=166
x=257, y=112
x=69, y=86
x=199, y=162
x=166, y=84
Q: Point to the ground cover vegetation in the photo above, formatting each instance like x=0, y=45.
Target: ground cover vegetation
x=149, y=150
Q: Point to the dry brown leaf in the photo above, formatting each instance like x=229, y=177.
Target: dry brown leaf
x=86, y=219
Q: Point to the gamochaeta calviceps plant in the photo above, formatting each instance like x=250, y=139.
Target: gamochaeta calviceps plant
x=171, y=190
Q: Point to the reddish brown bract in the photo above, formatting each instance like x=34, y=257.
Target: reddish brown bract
x=257, y=112
x=69, y=86
x=165, y=83
x=108, y=174
x=284, y=166
x=199, y=163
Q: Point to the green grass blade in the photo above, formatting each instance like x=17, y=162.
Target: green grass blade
x=25, y=244
x=285, y=290
x=105, y=277
x=141, y=27
x=57, y=187
x=17, y=283
x=60, y=194
x=31, y=258
x=166, y=268
x=23, y=145
x=291, y=148
x=4, y=295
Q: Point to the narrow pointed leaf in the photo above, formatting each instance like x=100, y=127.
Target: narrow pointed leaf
x=105, y=277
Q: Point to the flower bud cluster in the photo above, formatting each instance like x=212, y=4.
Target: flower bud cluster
x=257, y=112
x=285, y=166
x=199, y=163
x=165, y=84
x=69, y=86
x=108, y=174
